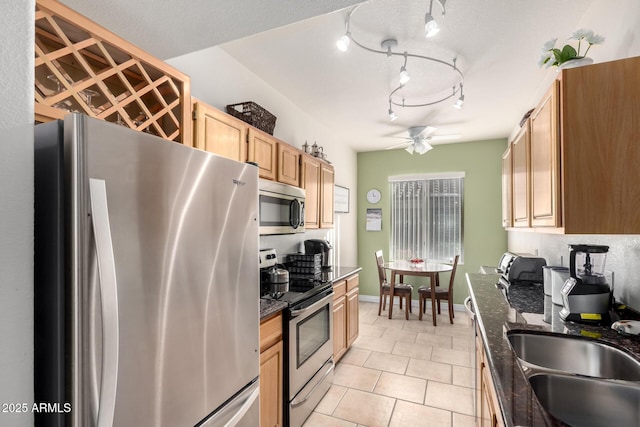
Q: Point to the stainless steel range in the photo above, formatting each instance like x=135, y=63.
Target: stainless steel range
x=308, y=338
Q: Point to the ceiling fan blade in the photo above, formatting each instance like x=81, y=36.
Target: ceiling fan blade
x=443, y=137
x=402, y=144
x=417, y=131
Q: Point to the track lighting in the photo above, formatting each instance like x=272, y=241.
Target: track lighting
x=460, y=101
x=431, y=27
x=344, y=42
x=404, y=74
x=387, y=47
x=392, y=115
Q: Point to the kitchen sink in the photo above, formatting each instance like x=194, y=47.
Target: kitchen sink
x=588, y=402
x=573, y=355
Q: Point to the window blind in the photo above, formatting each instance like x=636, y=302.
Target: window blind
x=427, y=217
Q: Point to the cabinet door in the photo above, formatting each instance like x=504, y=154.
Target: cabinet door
x=507, y=201
x=545, y=154
x=520, y=159
x=288, y=164
x=327, y=177
x=339, y=327
x=310, y=181
x=352, y=315
x=219, y=133
x=271, y=386
x=263, y=150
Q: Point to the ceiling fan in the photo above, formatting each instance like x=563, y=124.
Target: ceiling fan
x=419, y=138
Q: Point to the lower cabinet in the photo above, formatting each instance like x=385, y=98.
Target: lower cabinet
x=345, y=315
x=271, y=372
x=487, y=406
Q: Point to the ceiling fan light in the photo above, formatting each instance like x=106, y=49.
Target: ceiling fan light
x=410, y=149
x=404, y=76
x=343, y=42
x=431, y=27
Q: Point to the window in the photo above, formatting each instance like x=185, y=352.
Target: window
x=427, y=216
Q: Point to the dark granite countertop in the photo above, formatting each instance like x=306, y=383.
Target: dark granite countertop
x=495, y=316
x=339, y=273
x=269, y=307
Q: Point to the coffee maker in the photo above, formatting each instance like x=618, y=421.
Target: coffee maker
x=586, y=295
x=319, y=246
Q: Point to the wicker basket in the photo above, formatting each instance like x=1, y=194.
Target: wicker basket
x=253, y=114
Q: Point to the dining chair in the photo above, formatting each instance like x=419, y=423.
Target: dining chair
x=424, y=293
x=401, y=290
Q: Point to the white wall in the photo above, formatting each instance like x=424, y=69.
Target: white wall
x=619, y=22
x=16, y=207
x=219, y=80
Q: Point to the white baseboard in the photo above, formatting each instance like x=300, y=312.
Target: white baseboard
x=414, y=303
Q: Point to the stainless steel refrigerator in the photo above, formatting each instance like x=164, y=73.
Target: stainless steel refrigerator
x=146, y=280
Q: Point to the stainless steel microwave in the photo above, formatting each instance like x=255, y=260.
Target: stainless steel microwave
x=281, y=208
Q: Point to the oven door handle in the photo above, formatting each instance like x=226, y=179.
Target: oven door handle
x=295, y=404
x=468, y=305
x=315, y=305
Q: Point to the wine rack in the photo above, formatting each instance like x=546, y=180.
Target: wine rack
x=82, y=67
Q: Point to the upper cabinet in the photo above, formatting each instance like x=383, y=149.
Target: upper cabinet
x=600, y=125
x=82, y=67
x=327, y=178
x=310, y=181
x=219, y=133
x=288, y=164
x=584, y=153
x=317, y=178
x=520, y=182
x=263, y=150
x=507, y=188
x=545, y=164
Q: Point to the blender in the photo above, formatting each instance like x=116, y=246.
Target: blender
x=586, y=295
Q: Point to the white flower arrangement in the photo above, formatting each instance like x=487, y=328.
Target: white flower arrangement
x=553, y=56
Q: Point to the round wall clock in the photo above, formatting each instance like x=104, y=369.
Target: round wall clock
x=373, y=196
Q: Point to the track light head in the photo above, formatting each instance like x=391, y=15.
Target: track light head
x=459, y=103
x=404, y=75
x=392, y=115
x=343, y=42
x=431, y=27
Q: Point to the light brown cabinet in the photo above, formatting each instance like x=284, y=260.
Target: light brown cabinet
x=339, y=327
x=271, y=372
x=288, y=164
x=327, y=178
x=488, y=410
x=583, y=153
x=263, y=150
x=317, y=178
x=507, y=199
x=545, y=165
x=219, y=132
x=353, y=308
x=521, y=176
x=310, y=181
x=346, y=314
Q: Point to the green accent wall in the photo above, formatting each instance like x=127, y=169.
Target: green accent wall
x=484, y=238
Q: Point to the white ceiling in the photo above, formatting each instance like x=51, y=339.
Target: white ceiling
x=497, y=43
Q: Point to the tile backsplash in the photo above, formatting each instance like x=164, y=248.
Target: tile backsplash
x=623, y=258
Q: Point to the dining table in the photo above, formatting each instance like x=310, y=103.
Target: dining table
x=425, y=269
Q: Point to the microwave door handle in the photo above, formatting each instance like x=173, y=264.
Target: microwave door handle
x=294, y=214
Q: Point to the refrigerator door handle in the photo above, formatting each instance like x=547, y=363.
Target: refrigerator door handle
x=109, y=296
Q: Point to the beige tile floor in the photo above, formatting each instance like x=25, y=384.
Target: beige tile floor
x=403, y=373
